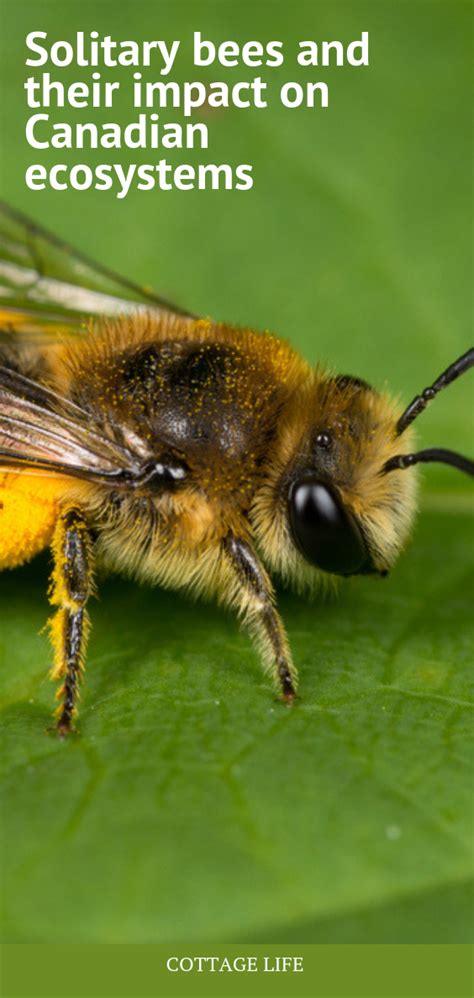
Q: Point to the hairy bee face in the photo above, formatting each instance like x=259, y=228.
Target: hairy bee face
x=333, y=509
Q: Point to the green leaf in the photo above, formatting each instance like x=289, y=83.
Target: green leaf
x=193, y=806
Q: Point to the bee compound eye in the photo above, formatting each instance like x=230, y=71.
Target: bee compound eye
x=324, y=531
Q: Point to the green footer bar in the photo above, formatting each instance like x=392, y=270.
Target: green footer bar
x=136, y=971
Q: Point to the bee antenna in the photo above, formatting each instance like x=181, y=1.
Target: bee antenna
x=432, y=454
x=420, y=402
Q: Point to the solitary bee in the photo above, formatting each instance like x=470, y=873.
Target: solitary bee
x=136, y=437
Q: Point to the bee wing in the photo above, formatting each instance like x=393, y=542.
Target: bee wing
x=48, y=288
x=39, y=430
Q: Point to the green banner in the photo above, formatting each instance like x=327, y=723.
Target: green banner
x=145, y=971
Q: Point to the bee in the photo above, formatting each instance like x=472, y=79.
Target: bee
x=138, y=438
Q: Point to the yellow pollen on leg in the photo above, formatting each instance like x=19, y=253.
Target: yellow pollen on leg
x=28, y=512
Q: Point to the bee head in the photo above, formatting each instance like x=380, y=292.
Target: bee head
x=343, y=517
x=332, y=502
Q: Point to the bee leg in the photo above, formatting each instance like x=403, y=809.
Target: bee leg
x=71, y=586
x=256, y=600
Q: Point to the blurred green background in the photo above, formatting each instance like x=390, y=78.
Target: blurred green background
x=193, y=806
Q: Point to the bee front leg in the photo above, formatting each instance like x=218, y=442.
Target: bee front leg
x=71, y=586
x=255, y=598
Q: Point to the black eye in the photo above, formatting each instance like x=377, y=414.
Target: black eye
x=344, y=381
x=324, y=532
x=324, y=440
